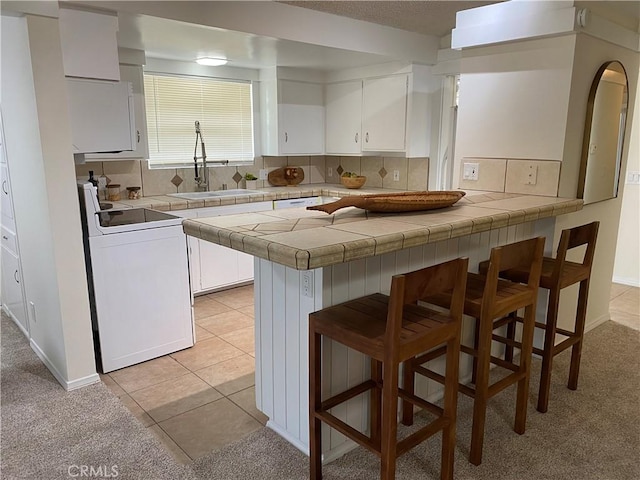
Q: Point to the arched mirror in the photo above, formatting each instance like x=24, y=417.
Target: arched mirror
x=604, y=134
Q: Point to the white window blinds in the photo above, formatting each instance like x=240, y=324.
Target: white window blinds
x=175, y=103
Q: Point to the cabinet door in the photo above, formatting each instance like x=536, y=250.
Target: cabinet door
x=384, y=113
x=5, y=191
x=89, y=44
x=344, y=118
x=218, y=266
x=300, y=117
x=135, y=75
x=12, y=294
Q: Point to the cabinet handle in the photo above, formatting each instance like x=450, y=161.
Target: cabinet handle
x=4, y=187
x=15, y=276
x=366, y=137
x=286, y=137
x=138, y=135
x=356, y=137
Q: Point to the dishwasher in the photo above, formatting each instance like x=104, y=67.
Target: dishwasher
x=138, y=277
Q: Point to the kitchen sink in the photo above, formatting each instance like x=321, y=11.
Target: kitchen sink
x=217, y=193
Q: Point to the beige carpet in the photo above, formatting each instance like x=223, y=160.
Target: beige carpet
x=592, y=433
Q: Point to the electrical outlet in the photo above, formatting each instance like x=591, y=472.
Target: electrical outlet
x=532, y=175
x=329, y=172
x=307, y=284
x=263, y=174
x=470, y=171
x=396, y=175
x=633, y=178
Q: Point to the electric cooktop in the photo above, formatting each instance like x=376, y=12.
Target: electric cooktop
x=114, y=218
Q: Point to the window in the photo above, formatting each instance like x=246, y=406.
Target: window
x=175, y=103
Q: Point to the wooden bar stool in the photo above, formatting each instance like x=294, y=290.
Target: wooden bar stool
x=488, y=298
x=557, y=273
x=390, y=329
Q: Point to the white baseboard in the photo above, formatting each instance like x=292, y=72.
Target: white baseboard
x=288, y=437
x=596, y=322
x=632, y=282
x=15, y=320
x=66, y=384
x=327, y=457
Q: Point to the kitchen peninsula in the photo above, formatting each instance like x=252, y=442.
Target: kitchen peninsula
x=307, y=260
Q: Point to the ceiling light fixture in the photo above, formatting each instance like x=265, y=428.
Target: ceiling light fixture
x=211, y=61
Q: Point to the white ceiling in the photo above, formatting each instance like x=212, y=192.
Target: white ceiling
x=427, y=17
x=174, y=40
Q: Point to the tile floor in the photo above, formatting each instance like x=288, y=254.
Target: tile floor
x=202, y=398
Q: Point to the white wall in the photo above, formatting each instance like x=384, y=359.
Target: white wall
x=528, y=100
x=627, y=263
x=590, y=54
x=38, y=138
x=514, y=100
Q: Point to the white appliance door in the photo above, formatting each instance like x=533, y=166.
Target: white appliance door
x=142, y=295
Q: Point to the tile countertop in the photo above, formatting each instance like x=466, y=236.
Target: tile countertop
x=167, y=203
x=305, y=239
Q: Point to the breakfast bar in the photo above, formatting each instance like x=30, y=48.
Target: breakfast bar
x=308, y=260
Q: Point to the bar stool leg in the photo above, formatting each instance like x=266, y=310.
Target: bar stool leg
x=547, y=356
x=450, y=408
x=408, y=385
x=389, y=420
x=511, y=335
x=525, y=367
x=481, y=391
x=576, y=350
x=474, y=360
x=375, y=401
x=315, y=425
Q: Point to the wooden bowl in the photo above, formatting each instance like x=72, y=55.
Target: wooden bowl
x=353, y=182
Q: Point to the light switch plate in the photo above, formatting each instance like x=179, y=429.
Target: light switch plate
x=470, y=171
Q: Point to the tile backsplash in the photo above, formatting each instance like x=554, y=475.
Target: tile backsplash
x=412, y=174
x=531, y=177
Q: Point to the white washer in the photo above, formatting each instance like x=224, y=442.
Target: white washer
x=138, y=275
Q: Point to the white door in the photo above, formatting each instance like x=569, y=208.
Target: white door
x=344, y=118
x=384, y=113
x=12, y=294
x=300, y=117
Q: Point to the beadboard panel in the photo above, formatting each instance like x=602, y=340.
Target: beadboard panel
x=282, y=330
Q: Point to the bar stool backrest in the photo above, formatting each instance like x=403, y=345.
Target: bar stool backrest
x=410, y=287
x=526, y=254
x=572, y=238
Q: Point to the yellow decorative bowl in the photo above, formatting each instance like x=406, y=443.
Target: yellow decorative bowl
x=353, y=182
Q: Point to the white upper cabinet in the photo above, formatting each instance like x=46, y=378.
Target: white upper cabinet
x=89, y=44
x=102, y=116
x=384, y=113
x=300, y=118
x=134, y=75
x=344, y=118
x=292, y=114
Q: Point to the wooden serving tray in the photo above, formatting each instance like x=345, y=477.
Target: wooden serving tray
x=395, y=202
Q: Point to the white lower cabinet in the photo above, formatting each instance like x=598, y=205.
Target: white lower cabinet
x=213, y=266
x=12, y=294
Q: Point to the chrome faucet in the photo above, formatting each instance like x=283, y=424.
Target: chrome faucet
x=202, y=182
